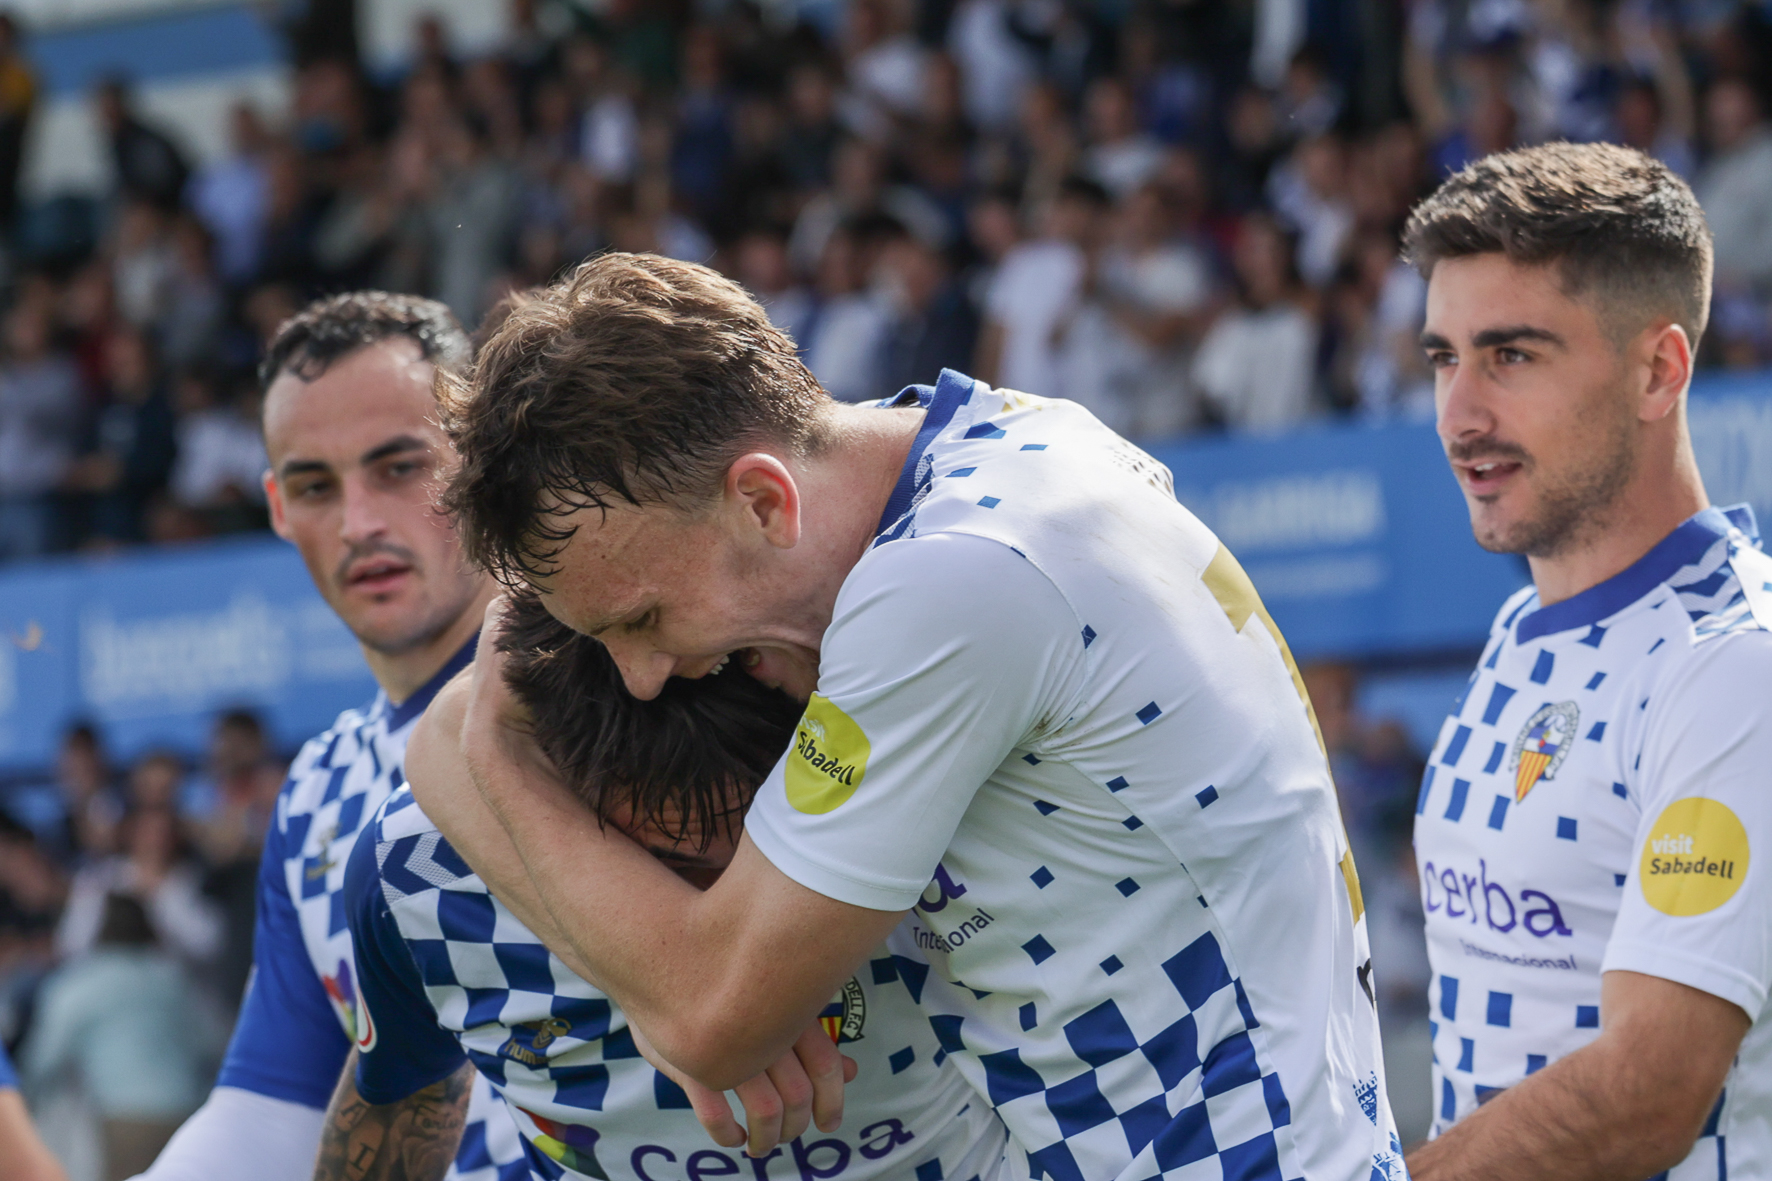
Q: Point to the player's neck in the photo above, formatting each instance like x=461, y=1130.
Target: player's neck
x=402, y=674
x=1650, y=507
x=852, y=480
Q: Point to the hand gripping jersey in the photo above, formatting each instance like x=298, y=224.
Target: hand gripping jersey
x=1601, y=798
x=1054, y=719
x=448, y=975
x=298, y=1019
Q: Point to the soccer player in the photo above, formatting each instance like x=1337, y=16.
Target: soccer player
x=350, y=430
x=1047, y=721
x=448, y=977
x=23, y=1156
x=1592, y=825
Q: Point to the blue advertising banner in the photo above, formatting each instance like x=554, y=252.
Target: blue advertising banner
x=152, y=646
x=1356, y=537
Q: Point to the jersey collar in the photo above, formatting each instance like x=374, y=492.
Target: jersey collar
x=950, y=392
x=399, y=715
x=1685, y=545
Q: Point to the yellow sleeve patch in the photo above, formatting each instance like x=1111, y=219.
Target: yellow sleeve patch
x=829, y=758
x=1695, y=858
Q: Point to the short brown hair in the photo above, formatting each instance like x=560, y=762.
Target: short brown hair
x=689, y=760
x=1619, y=224
x=637, y=379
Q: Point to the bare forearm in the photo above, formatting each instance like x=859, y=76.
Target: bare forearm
x=1601, y=1114
x=412, y=1140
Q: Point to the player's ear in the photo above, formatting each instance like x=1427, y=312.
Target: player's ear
x=1669, y=371
x=274, y=501
x=763, y=491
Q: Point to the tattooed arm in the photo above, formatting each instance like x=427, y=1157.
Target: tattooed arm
x=414, y=1139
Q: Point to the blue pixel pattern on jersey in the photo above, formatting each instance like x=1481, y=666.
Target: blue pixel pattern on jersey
x=298, y=1020
x=1541, y=798
x=449, y=975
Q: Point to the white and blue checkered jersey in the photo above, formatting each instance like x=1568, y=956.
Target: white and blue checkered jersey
x=1601, y=798
x=298, y=1019
x=449, y=975
x=1054, y=723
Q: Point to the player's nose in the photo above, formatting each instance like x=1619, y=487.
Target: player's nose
x=644, y=669
x=361, y=518
x=1463, y=408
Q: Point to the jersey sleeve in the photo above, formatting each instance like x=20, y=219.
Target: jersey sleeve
x=944, y=653
x=288, y=1042
x=400, y=1047
x=1697, y=903
x=8, y=1076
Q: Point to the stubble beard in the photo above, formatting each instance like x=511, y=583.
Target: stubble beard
x=1572, y=506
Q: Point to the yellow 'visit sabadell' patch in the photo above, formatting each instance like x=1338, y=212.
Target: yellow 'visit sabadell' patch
x=1695, y=858
x=829, y=758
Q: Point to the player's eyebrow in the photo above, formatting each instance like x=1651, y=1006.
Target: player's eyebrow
x=394, y=446
x=298, y=467
x=1490, y=338
x=1433, y=340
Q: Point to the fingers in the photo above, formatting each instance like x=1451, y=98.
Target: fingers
x=794, y=1087
x=826, y=1071
x=763, y=1112
x=714, y=1114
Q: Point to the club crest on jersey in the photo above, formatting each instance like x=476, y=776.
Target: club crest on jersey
x=1542, y=746
x=844, y=1017
x=343, y=995
x=529, y=1040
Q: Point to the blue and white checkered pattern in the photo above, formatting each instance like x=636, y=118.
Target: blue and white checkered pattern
x=1528, y=866
x=336, y=784
x=1150, y=1085
x=563, y=1057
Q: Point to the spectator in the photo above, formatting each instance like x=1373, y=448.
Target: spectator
x=1147, y=297
x=845, y=339
x=221, y=455
x=932, y=324
x=232, y=196
x=39, y=419
x=1035, y=288
x=90, y=803
x=192, y=302
x=148, y=166
x=132, y=444
x=1257, y=362
x=155, y=866
x=240, y=784
x=124, y=1017
x=1735, y=185
x=1119, y=157
x=18, y=98
x=762, y=266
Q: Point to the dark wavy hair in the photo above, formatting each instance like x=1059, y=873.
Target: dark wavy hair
x=309, y=342
x=689, y=760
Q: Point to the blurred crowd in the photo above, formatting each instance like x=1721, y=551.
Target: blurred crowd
x=1182, y=213
x=126, y=916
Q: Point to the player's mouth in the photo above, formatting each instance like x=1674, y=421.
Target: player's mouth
x=1487, y=477
x=376, y=576
x=789, y=671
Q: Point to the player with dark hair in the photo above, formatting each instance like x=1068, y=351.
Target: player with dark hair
x=451, y=982
x=351, y=434
x=1592, y=825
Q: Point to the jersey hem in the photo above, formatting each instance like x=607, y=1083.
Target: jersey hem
x=822, y=879
x=1719, y=980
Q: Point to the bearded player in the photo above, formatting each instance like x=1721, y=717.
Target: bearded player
x=1593, y=823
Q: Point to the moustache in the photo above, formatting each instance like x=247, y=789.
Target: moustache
x=1473, y=450
x=359, y=552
